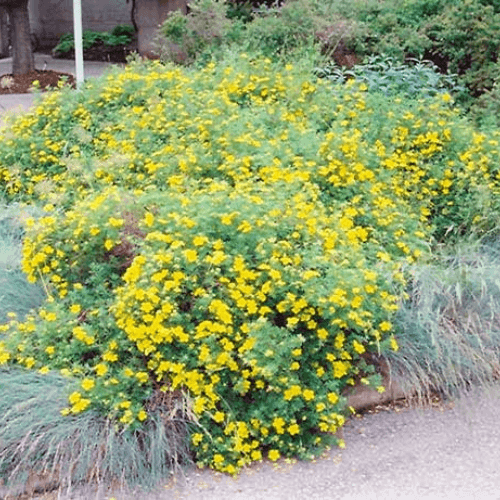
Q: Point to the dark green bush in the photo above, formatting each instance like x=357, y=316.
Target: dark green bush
x=121, y=35
x=458, y=36
x=212, y=26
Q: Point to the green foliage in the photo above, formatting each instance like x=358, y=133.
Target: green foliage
x=242, y=10
x=184, y=38
x=120, y=35
x=485, y=110
x=231, y=241
x=413, y=79
x=460, y=37
x=276, y=31
x=212, y=27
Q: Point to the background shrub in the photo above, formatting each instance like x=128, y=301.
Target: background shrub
x=412, y=79
x=213, y=27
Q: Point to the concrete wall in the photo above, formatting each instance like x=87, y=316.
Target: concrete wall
x=52, y=18
x=150, y=14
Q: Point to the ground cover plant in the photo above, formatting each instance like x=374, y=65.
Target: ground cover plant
x=231, y=243
x=112, y=45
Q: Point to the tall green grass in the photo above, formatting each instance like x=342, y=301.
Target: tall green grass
x=449, y=328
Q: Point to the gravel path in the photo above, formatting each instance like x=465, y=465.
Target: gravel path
x=446, y=452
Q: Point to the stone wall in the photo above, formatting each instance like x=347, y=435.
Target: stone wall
x=52, y=18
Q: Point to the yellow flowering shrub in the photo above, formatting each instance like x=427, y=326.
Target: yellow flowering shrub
x=234, y=237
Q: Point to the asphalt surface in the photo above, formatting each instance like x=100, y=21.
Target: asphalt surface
x=17, y=103
x=449, y=451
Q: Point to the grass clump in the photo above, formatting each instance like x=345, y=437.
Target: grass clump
x=449, y=328
x=38, y=442
x=17, y=295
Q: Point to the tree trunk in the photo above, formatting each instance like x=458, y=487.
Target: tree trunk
x=22, y=53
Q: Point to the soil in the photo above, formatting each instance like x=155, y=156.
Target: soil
x=23, y=84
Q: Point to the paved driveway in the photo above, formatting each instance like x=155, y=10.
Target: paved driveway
x=450, y=451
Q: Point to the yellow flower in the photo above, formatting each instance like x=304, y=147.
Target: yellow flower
x=358, y=347
x=80, y=405
x=142, y=377
x=332, y=398
x=219, y=416
x=293, y=429
x=200, y=240
x=196, y=438
x=4, y=357
x=340, y=368
x=292, y=392
x=308, y=394
x=112, y=221
x=385, y=326
x=394, y=344
x=191, y=255
x=142, y=415
x=110, y=356
x=149, y=219
x=273, y=455
x=88, y=384
x=75, y=308
x=279, y=424
x=101, y=369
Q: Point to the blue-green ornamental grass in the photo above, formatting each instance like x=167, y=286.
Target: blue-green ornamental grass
x=234, y=239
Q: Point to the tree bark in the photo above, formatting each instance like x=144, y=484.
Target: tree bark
x=22, y=52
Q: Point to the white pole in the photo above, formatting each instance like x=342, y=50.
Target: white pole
x=77, y=27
